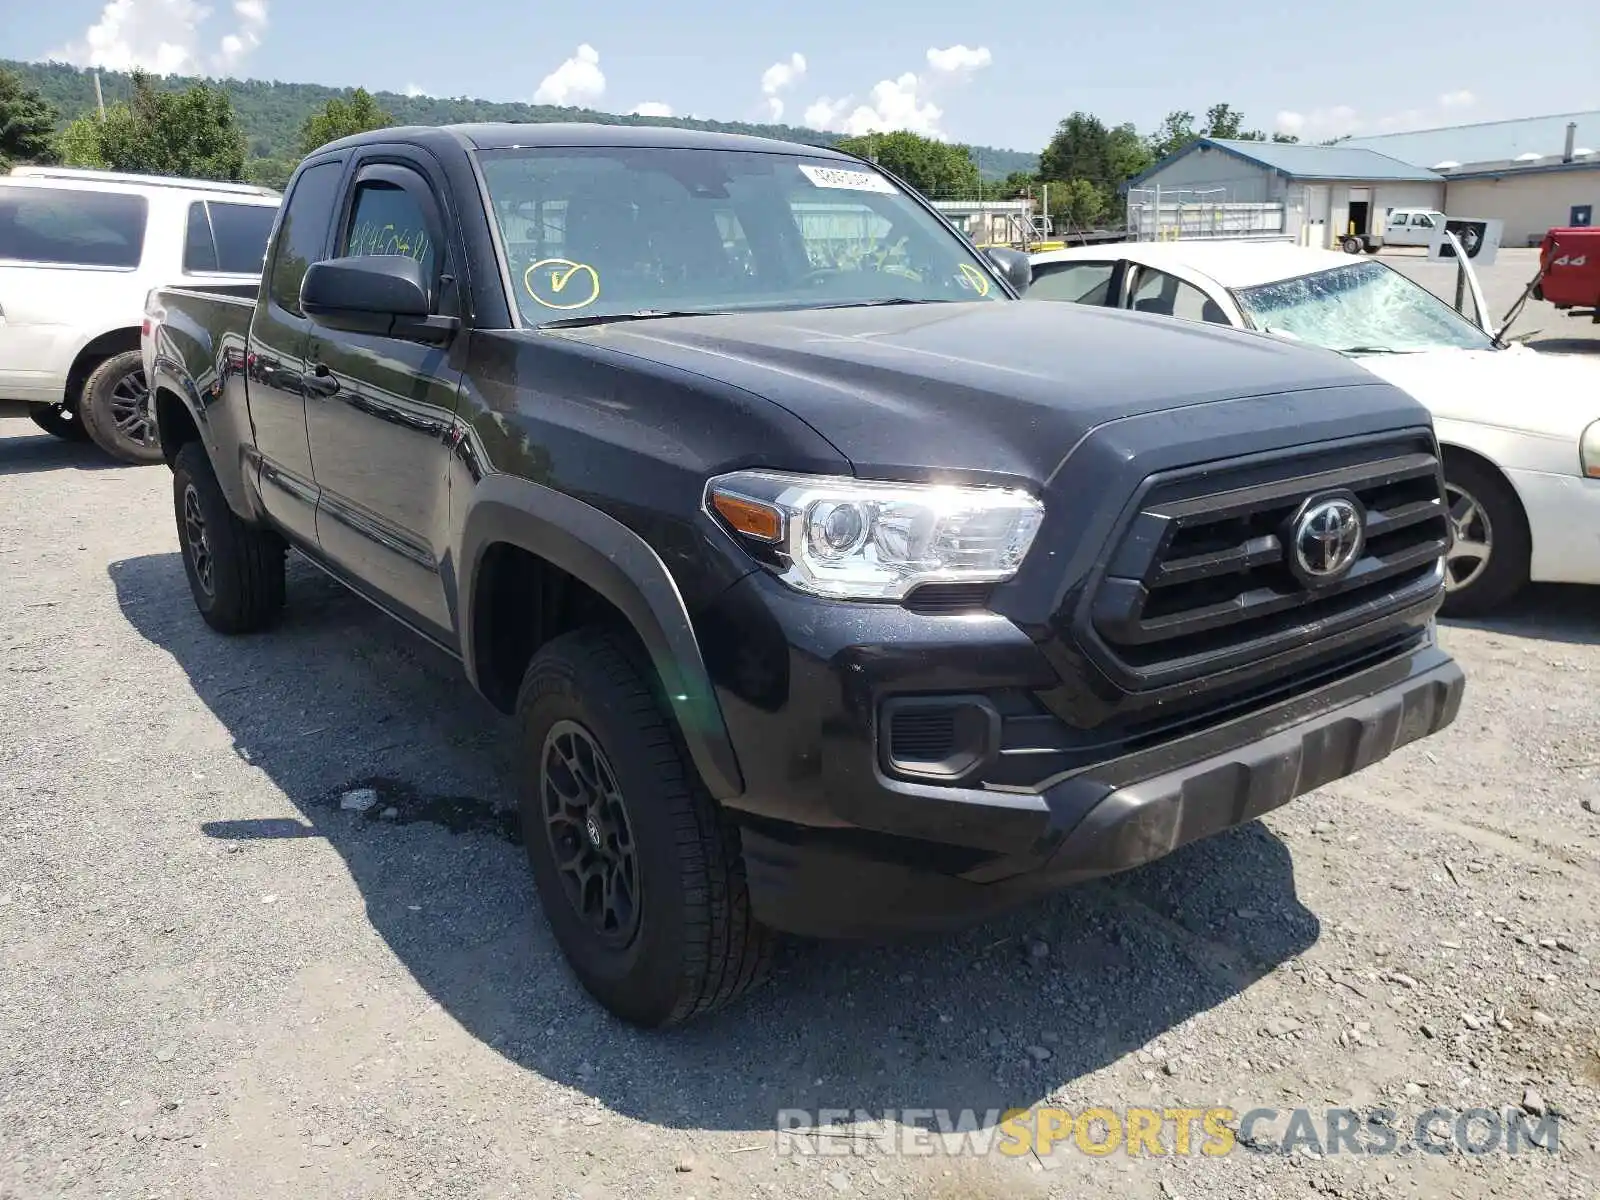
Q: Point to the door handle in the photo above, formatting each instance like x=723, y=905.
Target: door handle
x=320, y=381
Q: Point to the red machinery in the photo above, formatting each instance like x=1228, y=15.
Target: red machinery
x=1569, y=270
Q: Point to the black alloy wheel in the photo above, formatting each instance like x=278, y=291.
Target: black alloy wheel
x=590, y=835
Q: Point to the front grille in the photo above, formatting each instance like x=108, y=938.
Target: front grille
x=1203, y=577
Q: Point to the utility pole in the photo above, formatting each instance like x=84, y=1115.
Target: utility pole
x=99, y=98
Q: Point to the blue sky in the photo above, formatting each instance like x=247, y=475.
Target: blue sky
x=999, y=76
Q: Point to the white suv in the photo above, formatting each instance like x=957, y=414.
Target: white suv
x=79, y=251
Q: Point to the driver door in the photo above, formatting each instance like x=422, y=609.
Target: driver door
x=378, y=407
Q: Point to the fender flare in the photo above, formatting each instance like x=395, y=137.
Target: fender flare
x=604, y=554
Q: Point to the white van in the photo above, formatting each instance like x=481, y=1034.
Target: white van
x=79, y=251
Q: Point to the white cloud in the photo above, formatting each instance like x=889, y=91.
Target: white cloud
x=958, y=59
x=252, y=18
x=576, y=82
x=164, y=36
x=1319, y=124
x=905, y=102
x=779, y=77
x=1339, y=120
x=652, y=108
x=823, y=113
x=783, y=74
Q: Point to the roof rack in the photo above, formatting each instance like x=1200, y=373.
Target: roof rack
x=94, y=173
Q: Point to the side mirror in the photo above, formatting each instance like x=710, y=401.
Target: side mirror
x=1014, y=265
x=385, y=294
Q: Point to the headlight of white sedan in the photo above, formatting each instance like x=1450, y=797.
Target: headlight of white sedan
x=850, y=539
x=1589, y=451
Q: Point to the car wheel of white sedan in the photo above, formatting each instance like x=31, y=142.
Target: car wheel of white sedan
x=1487, y=563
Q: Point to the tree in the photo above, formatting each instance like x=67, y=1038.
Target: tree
x=1225, y=121
x=1078, y=203
x=78, y=145
x=27, y=123
x=192, y=133
x=1018, y=184
x=933, y=167
x=1175, y=132
x=270, y=172
x=1126, y=153
x=341, y=118
x=1080, y=149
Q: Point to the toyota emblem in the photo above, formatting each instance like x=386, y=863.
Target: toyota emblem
x=1327, y=538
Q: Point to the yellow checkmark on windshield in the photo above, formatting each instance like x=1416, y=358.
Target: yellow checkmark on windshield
x=551, y=277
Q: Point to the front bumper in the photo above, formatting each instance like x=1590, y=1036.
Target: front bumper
x=837, y=847
x=1564, y=519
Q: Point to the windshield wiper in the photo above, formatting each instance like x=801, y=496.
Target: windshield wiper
x=874, y=303
x=643, y=314
x=1373, y=350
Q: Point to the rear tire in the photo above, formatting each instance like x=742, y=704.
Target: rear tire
x=59, y=421
x=639, y=871
x=116, y=410
x=1352, y=245
x=1488, y=520
x=236, y=572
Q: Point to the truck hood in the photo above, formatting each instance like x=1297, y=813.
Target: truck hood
x=1516, y=389
x=991, y=389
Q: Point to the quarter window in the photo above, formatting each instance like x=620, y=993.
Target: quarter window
x=241, y=232
x=71, y=227
x=1079, y=282
x=199, y=251
x=1159, y=292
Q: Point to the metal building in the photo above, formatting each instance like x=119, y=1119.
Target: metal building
x=1310, y=194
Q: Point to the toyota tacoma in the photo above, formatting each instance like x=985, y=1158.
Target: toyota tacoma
x=833, y=591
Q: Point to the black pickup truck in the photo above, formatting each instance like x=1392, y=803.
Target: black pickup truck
x=834, y=592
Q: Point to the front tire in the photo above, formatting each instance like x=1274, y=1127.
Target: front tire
x=116, y=410
x=1488, y=560
x=639, y=872
x=236, y=572
x=58, y=421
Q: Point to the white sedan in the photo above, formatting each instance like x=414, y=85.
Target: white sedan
x=1518, y=428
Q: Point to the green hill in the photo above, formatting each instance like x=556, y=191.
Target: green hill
x=273, y=112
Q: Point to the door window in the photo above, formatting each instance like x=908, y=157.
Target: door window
x=304, y=233
x=1158, y=292
x=388, y=219
x=1077, y=282
x=71, y=227
x=1422, y=221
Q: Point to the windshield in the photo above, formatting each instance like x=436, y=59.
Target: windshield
x=608, y=232
x=1364, y=308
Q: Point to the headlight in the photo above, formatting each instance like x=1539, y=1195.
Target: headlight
x=1589, y=451
x=850, y=539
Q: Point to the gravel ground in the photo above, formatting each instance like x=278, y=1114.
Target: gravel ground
x=217, y=982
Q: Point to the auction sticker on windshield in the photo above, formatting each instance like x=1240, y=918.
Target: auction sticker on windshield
x=852, y=181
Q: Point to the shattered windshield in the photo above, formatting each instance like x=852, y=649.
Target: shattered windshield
x=1363, y=308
